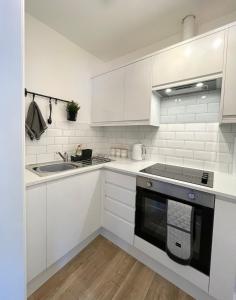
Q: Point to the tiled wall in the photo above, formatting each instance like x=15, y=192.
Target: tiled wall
x=194, y=108
x=185, y=139
x=200, y=145
x=63, y=137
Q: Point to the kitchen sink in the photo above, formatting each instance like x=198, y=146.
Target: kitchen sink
x=50, y=168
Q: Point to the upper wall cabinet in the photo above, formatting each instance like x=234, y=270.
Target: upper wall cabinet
x=196, y=58
x=138, y=86
x=124, y=97
x=108, y=97
x=228, y=104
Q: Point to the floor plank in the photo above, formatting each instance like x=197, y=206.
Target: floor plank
x=102, y=271
x=136, y=284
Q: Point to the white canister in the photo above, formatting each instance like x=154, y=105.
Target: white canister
x=124, y=153
x=113, y=151
x=118, y=152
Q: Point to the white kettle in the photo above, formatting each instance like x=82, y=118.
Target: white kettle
x=138, y=152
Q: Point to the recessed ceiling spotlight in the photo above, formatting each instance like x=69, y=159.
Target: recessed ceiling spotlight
x=204, y=97
x=168, y=91
x=199, y=84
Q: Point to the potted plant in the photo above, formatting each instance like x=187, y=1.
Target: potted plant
x=72, y=110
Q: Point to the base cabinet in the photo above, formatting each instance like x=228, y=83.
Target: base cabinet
x=36, y=230
x=60, y=215
x=119, y=205
x=73, y=212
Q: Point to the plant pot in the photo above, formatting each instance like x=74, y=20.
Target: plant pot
x=72, y=116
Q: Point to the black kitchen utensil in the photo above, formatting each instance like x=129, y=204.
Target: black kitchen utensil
x=50, y=115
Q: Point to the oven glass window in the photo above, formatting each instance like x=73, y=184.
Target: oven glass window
x=154, y=218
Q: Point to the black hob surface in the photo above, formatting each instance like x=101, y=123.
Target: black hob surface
x=195, y=176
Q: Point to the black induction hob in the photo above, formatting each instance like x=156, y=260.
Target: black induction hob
x=195, y=176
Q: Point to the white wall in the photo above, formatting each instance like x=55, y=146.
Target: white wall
x=12, y=230
x=57, y=67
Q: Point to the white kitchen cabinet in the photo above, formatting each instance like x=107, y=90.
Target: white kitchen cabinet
x=73, y=212
x=196, y=58
x=138, y=90
x=223, y=259
x=119, y=205
x=108, y=97
x=228, y=105
x=36, y=230
x=124, y=97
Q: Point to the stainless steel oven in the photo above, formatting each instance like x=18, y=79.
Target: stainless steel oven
x=151, y=218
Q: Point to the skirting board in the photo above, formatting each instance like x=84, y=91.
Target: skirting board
x=177, y=280
x=34, y=284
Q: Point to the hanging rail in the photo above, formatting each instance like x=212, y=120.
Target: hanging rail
x=45, y=96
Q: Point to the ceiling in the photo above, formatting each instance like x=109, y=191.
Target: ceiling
x=112, y=28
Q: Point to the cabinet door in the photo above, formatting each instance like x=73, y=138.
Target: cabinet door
x=201, y=57
x=229, y=97
x=223, y=258
x=108, y=97
x=138, y=89
x=36, y=230
x=73, y=212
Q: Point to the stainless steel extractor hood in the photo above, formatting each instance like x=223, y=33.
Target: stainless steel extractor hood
x=194, y=87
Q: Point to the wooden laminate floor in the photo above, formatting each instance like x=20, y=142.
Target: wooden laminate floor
x=102, y=271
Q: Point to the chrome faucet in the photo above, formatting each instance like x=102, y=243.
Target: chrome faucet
x=65, y=157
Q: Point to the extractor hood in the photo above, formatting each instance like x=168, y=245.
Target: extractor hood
x=190, y=88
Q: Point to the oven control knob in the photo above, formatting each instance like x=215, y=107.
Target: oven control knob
x=191, y=196
x=149, y=184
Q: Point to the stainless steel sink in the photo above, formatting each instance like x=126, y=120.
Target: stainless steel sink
x=54, y=167
x=50, y=168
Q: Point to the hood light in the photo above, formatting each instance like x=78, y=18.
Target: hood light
x=168, y=91
x=199, y=84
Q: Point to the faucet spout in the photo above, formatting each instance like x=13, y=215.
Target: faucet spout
x=64, y=157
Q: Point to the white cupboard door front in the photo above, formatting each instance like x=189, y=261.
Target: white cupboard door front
x=229, y=96
x=36, y=230
x=73, y=212
x=108, y=97
x=138, y=90
x=223, y=257
x=200, y=57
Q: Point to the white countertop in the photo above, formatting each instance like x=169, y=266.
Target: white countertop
x=224, y=184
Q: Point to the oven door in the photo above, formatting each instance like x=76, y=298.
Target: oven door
x=150, y=217
x=150, y=225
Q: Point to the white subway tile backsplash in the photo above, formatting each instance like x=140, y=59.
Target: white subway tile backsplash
x=186, y=118
x=199, y=108
x=61, y=140
x=41, y=158
x=183, y=138
x=54, y=148
x=184, y=153
x=204, y=155
x=194, y=145
x=195, y=127
x=213, y=107
x=35, y=149
x=54, y=132
x=206, y=136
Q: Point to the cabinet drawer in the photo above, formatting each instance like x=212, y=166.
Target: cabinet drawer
x=119, y=227
x=119, y=209
x=118, y=193
x=125, y=181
